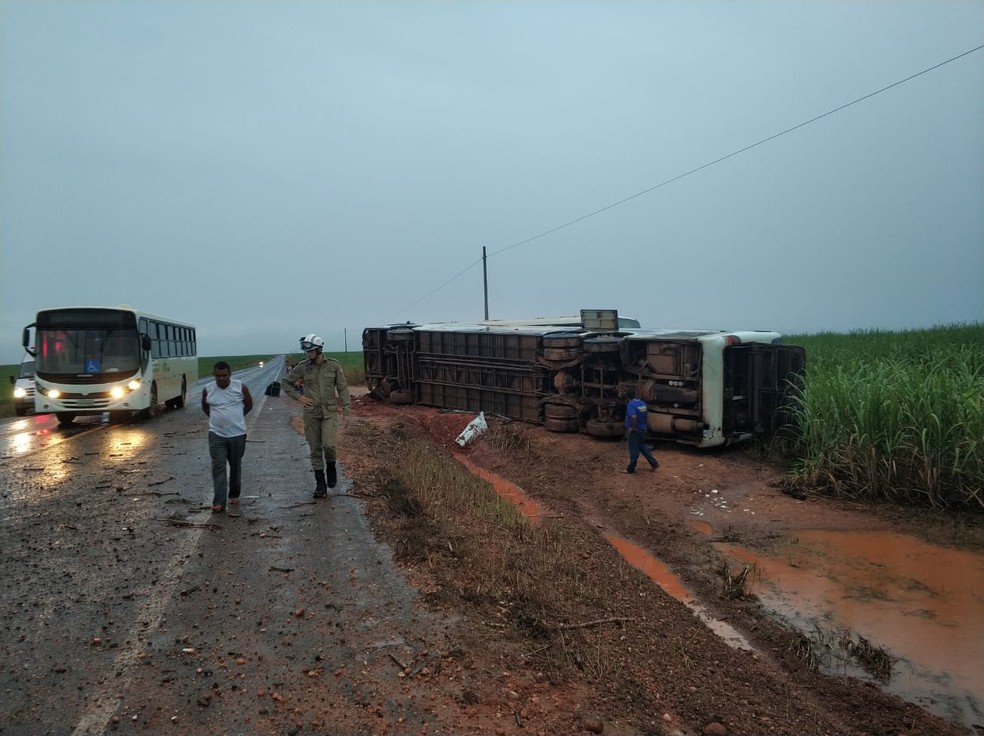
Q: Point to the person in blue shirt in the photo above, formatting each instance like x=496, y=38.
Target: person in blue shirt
x=635, y=431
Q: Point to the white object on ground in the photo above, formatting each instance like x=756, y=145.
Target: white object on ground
x=475, y=427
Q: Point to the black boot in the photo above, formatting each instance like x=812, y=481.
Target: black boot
x=320, y=488
x=332, y=474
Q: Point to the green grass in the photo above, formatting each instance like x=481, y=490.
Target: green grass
x=352, y=363
x=893, y=416
x=7, y=389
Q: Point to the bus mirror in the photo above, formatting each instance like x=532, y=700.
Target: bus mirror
x=145, y=342
x=26, y=340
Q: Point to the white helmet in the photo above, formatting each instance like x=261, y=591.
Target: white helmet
x=312, y=342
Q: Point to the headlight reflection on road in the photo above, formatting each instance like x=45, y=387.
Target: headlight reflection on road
x=23, y=436
x=21, y=442
x=59, y=462
x=121, y=445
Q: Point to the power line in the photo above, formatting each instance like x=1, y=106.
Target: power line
x=733, y=154
x=434, y=291
x=695, y=170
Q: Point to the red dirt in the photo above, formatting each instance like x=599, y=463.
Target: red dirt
x=667, y=673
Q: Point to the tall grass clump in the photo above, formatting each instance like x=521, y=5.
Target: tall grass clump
x=894, y=416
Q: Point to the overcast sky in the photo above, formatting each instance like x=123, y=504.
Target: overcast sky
x=268, y=169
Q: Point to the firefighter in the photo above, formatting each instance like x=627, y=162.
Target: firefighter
x=324, y=387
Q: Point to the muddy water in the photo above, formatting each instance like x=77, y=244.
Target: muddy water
x=507, y=490
x=659, y=573
x=922, y=604
x=636, y=556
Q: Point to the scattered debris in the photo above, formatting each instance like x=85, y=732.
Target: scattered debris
x=476, y=427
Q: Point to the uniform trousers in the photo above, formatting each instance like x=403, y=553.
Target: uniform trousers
x=320, y=433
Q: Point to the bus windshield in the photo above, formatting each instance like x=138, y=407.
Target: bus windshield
x=87, y=351
x=88, y=343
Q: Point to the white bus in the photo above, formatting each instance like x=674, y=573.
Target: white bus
x=90, y=360
x=702, y=387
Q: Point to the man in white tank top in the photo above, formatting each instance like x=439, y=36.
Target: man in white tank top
x=226, y=402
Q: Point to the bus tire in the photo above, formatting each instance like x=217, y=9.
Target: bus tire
x=401, y=397
x=602, y=345
x=178, y=401
x=562, y=425
x=400, y=334
x=152, y=409
x=599, y=428
x=567, y=341
x=20, y=411
x=561, y=354
x=65, y=418
x=560, y=411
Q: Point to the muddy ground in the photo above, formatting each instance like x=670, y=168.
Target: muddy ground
x=663, y=671
x=127, y=607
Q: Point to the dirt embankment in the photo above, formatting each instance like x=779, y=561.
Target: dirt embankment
x=625, y=656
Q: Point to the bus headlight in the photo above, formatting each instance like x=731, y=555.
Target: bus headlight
x=133, y=385
x=53, y=393
x=20, y=393
x=117, y=392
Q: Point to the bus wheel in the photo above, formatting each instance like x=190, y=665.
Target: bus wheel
x=152, y=409
x=179, y=401
x=20, y=411
x=401, y=397
x=599, y=428
x=561, y=425
x=65, y=418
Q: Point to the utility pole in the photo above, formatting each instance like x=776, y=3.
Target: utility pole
x=485, y=279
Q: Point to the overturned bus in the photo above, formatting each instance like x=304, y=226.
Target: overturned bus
x=702, y=387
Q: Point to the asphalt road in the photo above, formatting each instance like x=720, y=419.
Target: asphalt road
x=128, y=607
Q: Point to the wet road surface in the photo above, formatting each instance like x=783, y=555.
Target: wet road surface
x=129, y=607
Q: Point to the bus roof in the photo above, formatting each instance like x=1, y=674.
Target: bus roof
x=119, y=308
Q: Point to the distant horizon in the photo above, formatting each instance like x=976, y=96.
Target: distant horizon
x=785, y=335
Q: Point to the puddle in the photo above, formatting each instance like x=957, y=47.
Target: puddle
x=635, y=555
x=923, y=604
x=652, y=568
x=702, y=527
x=507, y=490
x=659, y=573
